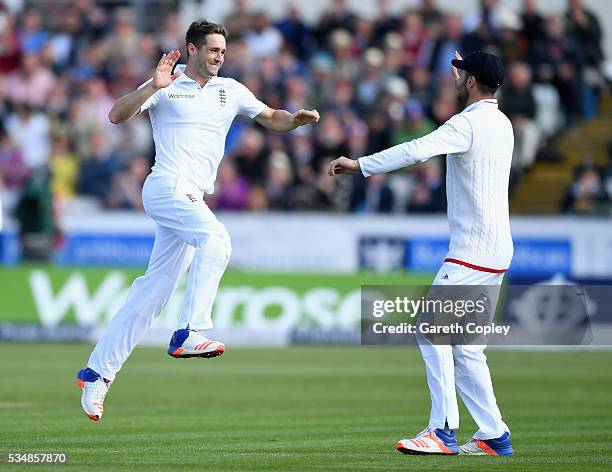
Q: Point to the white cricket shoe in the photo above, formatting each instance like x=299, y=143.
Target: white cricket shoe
x=190, y=343
x=94, y=389
x=430, y=441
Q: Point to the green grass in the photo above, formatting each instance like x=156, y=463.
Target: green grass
x=302, y=408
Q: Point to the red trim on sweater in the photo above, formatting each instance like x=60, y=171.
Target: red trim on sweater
x=476, y=267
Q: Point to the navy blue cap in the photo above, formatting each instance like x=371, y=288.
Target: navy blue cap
x=486, y=68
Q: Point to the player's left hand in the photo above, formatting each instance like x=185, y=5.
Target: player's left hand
x=454, y=69
x=305, y=117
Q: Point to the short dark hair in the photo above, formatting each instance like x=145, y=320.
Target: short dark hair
x=198, y=30
x=485, y=89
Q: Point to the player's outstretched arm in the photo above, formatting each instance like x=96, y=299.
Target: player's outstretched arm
x=282, y=120
x=453, y=137
x=129, y=105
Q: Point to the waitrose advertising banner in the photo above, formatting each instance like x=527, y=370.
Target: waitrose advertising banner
x=59, y=303
x=325, y=243
x=68, y=304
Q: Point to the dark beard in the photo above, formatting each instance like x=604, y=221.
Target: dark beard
x=462, y=98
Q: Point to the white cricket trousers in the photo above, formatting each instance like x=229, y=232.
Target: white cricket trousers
x=462, y=367
x=187, y=235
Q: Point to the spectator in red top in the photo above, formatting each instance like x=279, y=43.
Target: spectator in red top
x=9, y=41
x=417, y=41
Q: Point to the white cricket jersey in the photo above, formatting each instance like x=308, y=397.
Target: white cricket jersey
x=478, y=143
x=190, y=124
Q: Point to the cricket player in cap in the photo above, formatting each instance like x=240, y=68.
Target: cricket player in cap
x=478, y=143
x=191, y=110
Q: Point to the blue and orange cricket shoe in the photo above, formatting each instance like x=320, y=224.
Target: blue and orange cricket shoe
x=430, y=441
x=94, y=389
x=501, y=446
x=190, y=343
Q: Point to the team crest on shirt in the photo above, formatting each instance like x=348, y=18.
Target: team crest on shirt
x=222, y=97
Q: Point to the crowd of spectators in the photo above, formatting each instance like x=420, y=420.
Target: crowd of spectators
x=377, y=81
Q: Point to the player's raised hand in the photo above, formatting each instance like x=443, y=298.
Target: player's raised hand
x=163, y=75
x=343, y=165
x=304, y=117
x=454, y=69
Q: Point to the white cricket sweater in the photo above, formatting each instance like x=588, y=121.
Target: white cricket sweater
x=478, y=143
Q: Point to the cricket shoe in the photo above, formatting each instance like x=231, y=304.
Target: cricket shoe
x=189, y=343
x=488, y=447
x=430, y=441
x=94, y=389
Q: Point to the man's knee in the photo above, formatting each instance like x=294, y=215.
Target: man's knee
x=463, y=354
x=218, y=237
x=215, y=247
x=222, y=241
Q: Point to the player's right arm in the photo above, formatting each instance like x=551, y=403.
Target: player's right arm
x=454, y=136
x=129, y=105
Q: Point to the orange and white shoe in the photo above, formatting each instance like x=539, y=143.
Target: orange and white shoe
x=430, y=441
x=189, y=343
x=94, y=389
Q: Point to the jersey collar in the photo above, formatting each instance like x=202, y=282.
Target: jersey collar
x=184, y=78
x=487, y=101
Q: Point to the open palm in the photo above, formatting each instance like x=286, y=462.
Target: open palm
x=454, y=70
x=163, y=75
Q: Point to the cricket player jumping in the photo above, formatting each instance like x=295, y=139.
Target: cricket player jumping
x=191, y=112
x=478, y=143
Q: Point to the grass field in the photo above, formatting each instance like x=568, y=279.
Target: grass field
x=302, y=408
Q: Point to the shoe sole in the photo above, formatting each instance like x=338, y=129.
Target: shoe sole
x=484, y=454
x=461, y=452
x=411, y=452
x=179, y=354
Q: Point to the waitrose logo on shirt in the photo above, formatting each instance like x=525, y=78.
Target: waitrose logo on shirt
x=181, y=95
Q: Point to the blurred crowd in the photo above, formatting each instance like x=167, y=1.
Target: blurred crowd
x=376, y=82
x=590, y=192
